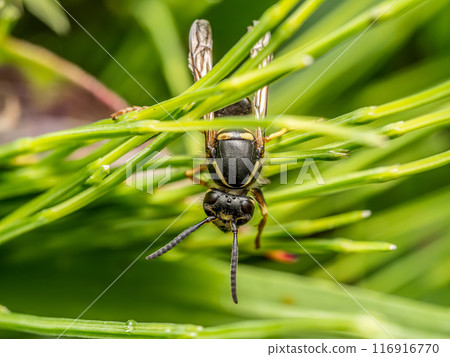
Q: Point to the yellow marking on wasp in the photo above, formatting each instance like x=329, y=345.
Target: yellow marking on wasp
x=255, y=170
x=225, y=136
x=247, y=136
x=222, y=178
x=232, y=135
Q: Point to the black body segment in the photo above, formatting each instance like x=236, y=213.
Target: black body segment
x=228, y=208
x=243, y=107
x=237, y=163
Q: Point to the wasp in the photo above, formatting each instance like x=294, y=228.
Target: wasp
x=235, y=157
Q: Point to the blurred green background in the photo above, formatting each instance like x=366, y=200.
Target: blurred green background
x=60, y=269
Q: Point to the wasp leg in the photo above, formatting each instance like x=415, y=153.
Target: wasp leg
x=200, y=63
x=123, y=111
x=262, y=95
x=277, y=134
x=259, y=197
x=190, y=174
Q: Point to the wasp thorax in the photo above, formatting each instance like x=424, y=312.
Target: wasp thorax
x=243, y=107
x=228, y=207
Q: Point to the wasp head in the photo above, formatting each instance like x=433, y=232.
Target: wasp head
x=228, y=208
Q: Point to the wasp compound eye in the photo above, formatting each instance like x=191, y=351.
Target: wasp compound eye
x=247, y=207
x=211, y=197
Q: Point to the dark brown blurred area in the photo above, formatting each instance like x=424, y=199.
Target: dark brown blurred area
x=29, y=110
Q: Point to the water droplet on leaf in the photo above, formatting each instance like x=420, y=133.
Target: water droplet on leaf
x=130, y=325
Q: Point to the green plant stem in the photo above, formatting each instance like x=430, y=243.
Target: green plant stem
x=113, y=153
x=397, y=129
x=376, y=175
x=353, y=325
x=51, y=170
x=226, y=92
x=301, y=246
x=94, y=329
x=275, y=159
x=231, y=89
x=369, y=114
x=356, y=325
x=283, y=33
x=271, y=18
x=403, y=234
x=392, y=131
x=287, y=161
x=22, y=188
x=245, y=84
x=320, y=245
x=204, y=87
x=146, y=127
x=303, y=228
x=46, y=216
x=40, y=202
x=257, y=78
x=367, y=158
x=187, y=161
x=98, y=152
x=59, y=154
x=9, y=14
x=319, y=154
x=274, y=232
x=378, y=13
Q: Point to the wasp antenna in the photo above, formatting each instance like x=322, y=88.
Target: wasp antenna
x=179, y=238
x=234, y=262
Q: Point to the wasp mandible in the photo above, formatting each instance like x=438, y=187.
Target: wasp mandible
x=234, y=156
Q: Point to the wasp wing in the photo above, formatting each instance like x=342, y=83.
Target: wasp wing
x=200, y=63
x=262, y=95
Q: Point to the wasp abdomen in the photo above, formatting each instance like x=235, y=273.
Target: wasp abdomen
x=236, y=163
